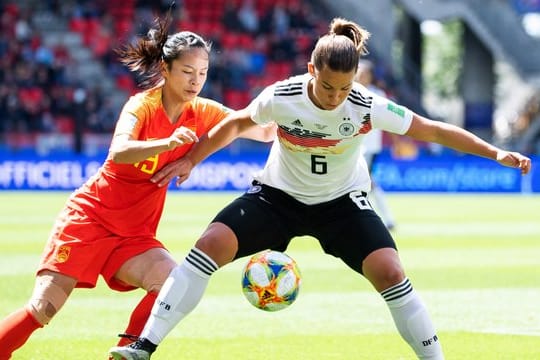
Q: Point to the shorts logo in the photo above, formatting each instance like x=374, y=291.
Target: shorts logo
x=254, y=189
x=346, y=129
x=63, y=253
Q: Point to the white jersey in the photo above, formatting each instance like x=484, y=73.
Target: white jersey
x=316, y=155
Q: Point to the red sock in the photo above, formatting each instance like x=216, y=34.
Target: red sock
x=15, y=330
x=138, y=318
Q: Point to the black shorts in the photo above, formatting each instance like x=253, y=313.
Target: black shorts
x=268, y=218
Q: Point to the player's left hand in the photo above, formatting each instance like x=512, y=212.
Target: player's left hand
x=179, y=169
x=514, y=159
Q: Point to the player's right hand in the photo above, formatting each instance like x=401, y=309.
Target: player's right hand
x=179, y=169
x=514, y=159
x=181, y=136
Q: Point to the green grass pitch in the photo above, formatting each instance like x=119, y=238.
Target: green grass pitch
x=474, y=259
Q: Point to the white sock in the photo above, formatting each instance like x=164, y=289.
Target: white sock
x=412, y=320
x=180, y=294
x=382, y=206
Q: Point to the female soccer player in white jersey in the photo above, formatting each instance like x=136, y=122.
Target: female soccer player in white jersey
x=312, y=185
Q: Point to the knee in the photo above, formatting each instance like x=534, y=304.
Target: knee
x=42, y=310
x=389, y=277
x=47, y=299
x=155, y=277
x=383, y=269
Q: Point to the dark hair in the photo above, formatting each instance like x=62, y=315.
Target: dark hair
x=342, y=47
x=145, y=55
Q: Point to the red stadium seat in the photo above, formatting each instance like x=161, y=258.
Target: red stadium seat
x=64, y=124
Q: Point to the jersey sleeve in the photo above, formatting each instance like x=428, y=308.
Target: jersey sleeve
x=260, y=108
x=389, y=116
x=132, y=117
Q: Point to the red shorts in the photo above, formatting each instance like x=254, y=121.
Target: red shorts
x=82, y=248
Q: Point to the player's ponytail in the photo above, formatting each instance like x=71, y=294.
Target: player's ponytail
x=342, y=47
x=146, y=55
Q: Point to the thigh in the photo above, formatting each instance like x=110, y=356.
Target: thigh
x=350, y=229
x=133, y=260
x=259, y=220
x=77, y=247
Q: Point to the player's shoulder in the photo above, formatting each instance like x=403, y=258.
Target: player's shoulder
x=360, y=97
x=202, y=105
x=146, y=101
x=290, y=87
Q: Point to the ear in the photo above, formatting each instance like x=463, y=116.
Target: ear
x=163, y=68
x=311, y=69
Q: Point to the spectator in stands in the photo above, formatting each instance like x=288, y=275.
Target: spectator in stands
x=280, y=19
x=231, y=22
x=312, y=185
x=108, y=226
x=248, y=16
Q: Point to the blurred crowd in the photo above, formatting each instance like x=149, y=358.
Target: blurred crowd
x=254, y=43
x=42, y=90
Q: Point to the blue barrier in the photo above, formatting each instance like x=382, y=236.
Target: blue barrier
x=452, y=173
x=226, y=171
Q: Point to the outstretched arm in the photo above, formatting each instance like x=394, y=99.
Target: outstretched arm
x=237, y=124
x=462, y=140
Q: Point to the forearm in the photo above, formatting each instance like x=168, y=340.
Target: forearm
x=233, y=126
x=133, y=151
x=464, y=141
x=219, y=137
x=451, y=136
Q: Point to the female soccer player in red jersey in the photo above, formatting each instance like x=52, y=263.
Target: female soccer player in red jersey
x=108, y=226
x=312, y=185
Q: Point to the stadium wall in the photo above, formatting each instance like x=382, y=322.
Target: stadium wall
x=225, y=171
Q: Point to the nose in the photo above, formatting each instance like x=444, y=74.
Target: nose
x=196, y=79
x=333, y=97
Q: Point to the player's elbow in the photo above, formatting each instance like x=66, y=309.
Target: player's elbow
x=119, y=155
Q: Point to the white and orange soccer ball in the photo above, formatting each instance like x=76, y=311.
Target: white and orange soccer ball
x=271, y=280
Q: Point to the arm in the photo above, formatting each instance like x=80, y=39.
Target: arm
x=236, y=124
x=462, y=140
x=126, y=150
x=263, y=133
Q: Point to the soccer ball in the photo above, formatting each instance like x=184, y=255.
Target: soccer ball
x=271, y=280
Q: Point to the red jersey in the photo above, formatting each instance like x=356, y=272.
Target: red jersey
x=121, y=196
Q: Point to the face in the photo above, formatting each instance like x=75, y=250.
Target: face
x=186, y=76
x=329, y=88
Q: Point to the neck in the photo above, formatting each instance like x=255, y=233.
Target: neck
x=311, y=95
x=173, y=107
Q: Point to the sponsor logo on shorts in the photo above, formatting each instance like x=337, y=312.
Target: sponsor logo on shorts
x=63, y=253
x=254, y=189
